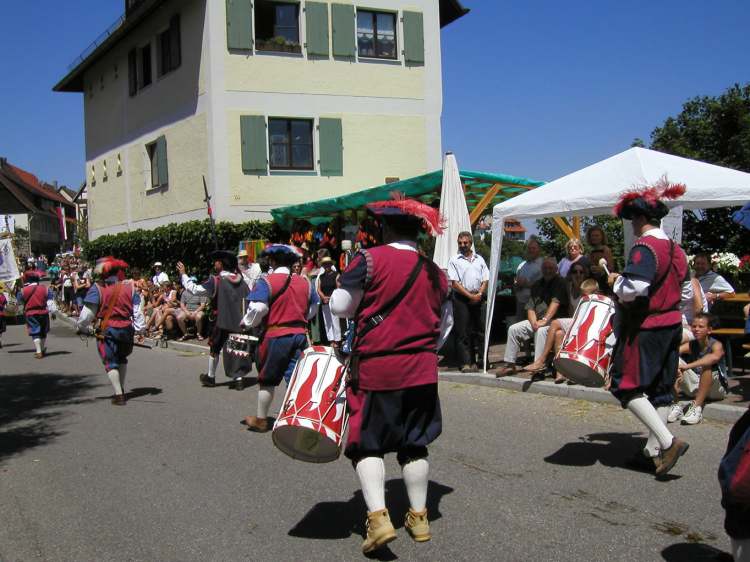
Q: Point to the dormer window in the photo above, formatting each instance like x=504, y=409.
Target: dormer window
x=277, y=26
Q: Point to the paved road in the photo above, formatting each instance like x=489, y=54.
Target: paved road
x=173, y=476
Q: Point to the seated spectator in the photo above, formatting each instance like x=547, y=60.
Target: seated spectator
x=192, y=309
x=529, y=272
x=325, y=285
x=713, y=284
x=596, y=239
x=573, y=254
x=702, y=372
x=578, y=284
x=160, y=277
x=692, y=301
x=547, y=296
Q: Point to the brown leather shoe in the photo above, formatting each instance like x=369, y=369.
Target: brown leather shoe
x=39, y=355
x=669, y=457
x=380, y=531
x=119, y=400
x=253, y=423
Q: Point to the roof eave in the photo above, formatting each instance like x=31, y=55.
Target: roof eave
x=73, y=80
x=450, y=11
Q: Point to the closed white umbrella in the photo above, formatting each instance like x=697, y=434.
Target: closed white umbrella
x=454, y=211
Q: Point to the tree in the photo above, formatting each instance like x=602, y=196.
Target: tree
x=714, y=130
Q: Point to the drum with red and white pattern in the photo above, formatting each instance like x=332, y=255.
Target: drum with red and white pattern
x=313, y=417
x=585, y=355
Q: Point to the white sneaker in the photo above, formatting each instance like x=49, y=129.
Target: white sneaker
x=693, y=415
x=675, y=413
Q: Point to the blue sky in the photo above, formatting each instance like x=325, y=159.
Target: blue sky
x=533, y=88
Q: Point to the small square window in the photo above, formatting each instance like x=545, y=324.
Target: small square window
x=104, y=170
x=290, y=144
x=277, y=26
x=93, y=175
x=118, y=171
x=376, y=34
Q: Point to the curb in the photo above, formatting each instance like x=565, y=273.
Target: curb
x=723, y=413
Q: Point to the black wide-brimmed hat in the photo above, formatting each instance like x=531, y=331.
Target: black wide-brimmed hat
x=228, y=259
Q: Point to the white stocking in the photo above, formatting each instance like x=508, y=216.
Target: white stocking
x=415, y=479
x=114, y=378
x=265, y=397
x=371, y=473
x=648, y=415
x=38, y=345
x=213, y=362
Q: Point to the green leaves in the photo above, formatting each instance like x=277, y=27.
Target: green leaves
x=190, y=242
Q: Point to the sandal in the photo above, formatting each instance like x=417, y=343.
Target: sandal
x=199, y=338
x=508, y=369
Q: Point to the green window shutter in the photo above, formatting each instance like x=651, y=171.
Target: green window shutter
x=331, y=147
x=414, y=37
x=239, y=24
x=344, y=43
x=254, y=148
x=316, y=18
x=161, y=160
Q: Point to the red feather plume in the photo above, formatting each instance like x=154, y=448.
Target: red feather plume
x=429, y=215
x=662, y=189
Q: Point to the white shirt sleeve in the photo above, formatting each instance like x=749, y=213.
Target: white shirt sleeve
x=256, y=312
x=721, y=285
x=453, y=271
x=345, y=302
x=628, y=289
x=88, y=314
x=192, y=286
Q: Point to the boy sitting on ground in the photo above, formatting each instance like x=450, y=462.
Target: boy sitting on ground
x=702, y=371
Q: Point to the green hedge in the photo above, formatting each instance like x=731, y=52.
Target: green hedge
x=190, y=242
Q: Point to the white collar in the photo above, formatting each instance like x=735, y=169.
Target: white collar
x=404, y=245
x=285, y=270
x=656, y=232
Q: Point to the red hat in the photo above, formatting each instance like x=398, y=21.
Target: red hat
x=31, y=275
x=400, y=206
x=108, y=266
x=647, y=201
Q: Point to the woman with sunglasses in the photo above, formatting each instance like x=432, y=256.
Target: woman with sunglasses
x=573, y=254
x=577, y=273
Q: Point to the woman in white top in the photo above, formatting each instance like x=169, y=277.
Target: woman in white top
x=574, y=253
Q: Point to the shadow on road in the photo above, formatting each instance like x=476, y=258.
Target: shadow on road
x=26, y=400
x=618, y=450
x=339, y=520
x=48, y=354
x=694, y=552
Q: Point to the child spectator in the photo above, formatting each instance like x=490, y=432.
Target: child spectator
x=702, y=371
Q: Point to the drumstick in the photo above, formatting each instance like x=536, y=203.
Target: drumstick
x=603, y=265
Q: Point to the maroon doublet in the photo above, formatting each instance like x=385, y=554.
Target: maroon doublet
x=35, y=300
x=395, y=407
x=122, y=310
x=647, y=362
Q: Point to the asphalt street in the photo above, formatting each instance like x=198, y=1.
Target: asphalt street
x=173, y=476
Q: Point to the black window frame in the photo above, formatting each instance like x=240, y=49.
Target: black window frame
x=144, y=55
x=268, y=43
x=132, y=72
x=290, y=144
x=153, y=157
x=374, y=14
x=169, y=47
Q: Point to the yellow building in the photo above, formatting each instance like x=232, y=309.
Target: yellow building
x=274, y=102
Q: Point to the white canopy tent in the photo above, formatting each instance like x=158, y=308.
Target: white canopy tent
x=594, y=190
x=453, y=207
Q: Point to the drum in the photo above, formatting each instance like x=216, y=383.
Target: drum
x=238, y=355
x=586, y=352
x=313, y=416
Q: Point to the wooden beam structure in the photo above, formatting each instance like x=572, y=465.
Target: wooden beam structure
x=484, y=202
x=564, y=227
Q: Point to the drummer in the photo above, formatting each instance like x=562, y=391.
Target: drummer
x=392, y=397
x=286, y=302
x=648, y=323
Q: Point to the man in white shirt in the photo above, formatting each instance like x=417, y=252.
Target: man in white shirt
x=469, y=276
x=713, y=284
x=159, y=277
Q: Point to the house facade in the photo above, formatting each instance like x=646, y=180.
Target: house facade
x=35, y=212
x=273, y=102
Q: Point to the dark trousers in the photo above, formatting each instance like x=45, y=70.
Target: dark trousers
x=468, y=327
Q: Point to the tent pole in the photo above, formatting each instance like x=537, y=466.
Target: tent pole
x=562, y=224
x=577, y=227
x=484, y=202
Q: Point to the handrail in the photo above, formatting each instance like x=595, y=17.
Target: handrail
x=96, y=42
